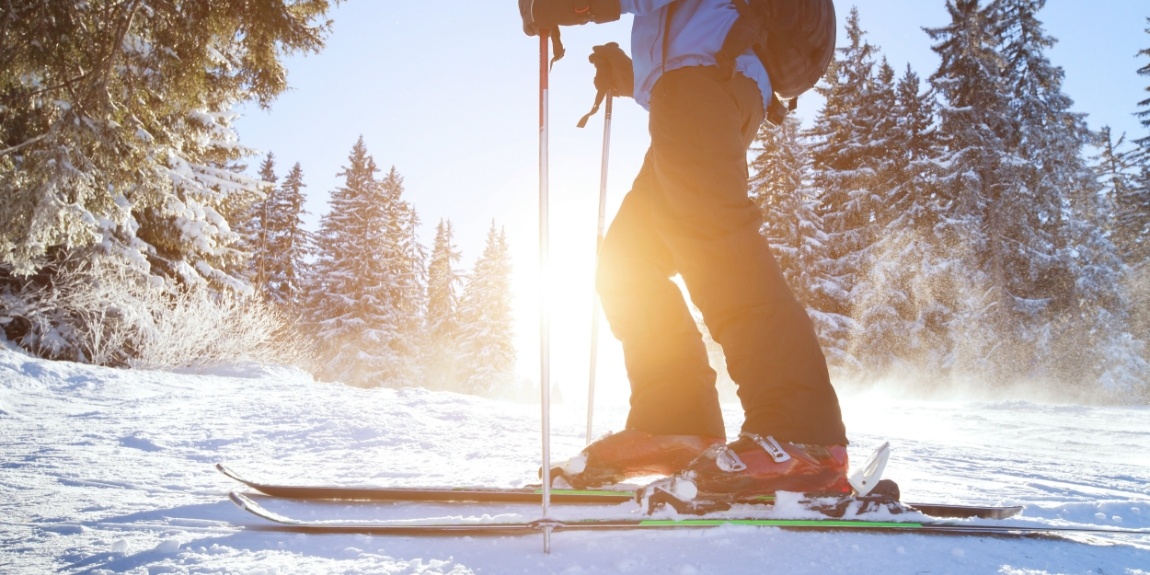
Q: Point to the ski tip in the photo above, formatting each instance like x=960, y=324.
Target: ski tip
x=242, y=501
x=228, y=472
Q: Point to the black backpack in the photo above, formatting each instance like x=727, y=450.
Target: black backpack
x=795, y=40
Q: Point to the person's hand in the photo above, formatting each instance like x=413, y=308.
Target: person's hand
x=613, y=70
x=614, y=76
x=539, y=14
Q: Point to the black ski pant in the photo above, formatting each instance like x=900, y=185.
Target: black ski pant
x=688, y=213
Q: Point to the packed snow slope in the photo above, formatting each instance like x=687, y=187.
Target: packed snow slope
x=111, y=471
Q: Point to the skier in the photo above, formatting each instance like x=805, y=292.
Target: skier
x=688, y=213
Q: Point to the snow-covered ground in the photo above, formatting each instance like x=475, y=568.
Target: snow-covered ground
x=111, y=471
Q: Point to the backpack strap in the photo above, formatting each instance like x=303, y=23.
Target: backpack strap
x=744, y=33
x=777, y=111
x=747, y=32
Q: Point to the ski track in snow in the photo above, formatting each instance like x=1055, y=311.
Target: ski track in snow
x=111, y=471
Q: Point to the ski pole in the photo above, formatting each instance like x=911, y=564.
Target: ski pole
x=598, y=247
x=544, y=323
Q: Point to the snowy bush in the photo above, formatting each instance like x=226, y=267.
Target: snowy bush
x=199, y=327
x=111, y=314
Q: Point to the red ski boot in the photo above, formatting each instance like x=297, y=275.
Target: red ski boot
x=631, y=453
x=752, y=466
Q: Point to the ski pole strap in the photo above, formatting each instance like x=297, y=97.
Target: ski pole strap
x=594, y=109
x=556, y=46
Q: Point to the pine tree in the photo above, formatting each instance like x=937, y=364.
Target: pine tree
x=1077, y=324
x=115, y=127
x=876, y=316
x=974, y=128
x=793, y=227
x=289, y=244
x=884, y=154
x=1143, y=114
x=407, y=270
x=117, y=149
x=845, y=153
x=1134, y=204
x=358, y=301
x=901, y=319
x=1097, y=332
x=486, y=339
x=252, y=226
x=442, y=321
x=913, y=143
x=1127, y=182
x=1048, y=139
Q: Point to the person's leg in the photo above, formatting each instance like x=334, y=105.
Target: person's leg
x=701, y=127
x=672, y=383
x=675, y=413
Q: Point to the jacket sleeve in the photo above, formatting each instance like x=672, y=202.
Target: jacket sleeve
x=642, y=6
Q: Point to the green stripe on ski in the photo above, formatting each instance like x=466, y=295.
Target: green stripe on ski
x=828, y=523
x=620, y=494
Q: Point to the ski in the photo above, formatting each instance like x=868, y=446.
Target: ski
x=534, y=494
x=498, y=527
x=530, y=494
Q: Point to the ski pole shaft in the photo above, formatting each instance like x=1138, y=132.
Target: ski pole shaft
x=598, y=246
x=544, y=320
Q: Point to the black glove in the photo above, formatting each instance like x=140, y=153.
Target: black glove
x=614, y=76
x=550, y=14
x=613, y=70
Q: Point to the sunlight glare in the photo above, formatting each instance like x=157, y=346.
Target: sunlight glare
x=570, y=295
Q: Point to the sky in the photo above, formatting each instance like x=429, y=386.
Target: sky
x=446, y=91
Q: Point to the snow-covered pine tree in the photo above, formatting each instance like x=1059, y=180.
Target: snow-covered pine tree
x=1115, y=170
x=915, y=141
x=1134, y=205
x=407, y=269
x=1100, y=352
x=885, y=130
x=1048, y=139
x=486, y=328
x=1124, y=179
x=1143, y=114
x=792, y=225
x=875, y=298
x=289, y=243
x=902, y=322
x=116, y=142
x=974, y=128
x=844, y=153
x=441, y=360
x=253, y=224
x=1065, y=273
x=354, y=304
x=1118, y=175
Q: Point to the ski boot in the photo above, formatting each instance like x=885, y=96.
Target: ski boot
x=752, y=467
x=631, y=453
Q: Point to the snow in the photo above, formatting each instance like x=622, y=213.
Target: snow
x=111, y=471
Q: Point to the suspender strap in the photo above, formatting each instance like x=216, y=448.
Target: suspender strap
x=667, y=32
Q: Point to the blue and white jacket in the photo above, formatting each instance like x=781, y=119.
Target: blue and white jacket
x=697, y=33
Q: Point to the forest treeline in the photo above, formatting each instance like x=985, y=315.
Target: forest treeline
x=965, y=225
x=969, y=227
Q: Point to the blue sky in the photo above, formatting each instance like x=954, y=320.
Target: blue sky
x=447, y=92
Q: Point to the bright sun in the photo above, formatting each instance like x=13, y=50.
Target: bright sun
x=570, y=297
